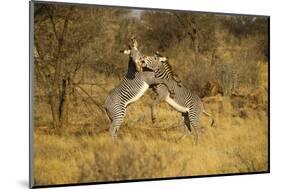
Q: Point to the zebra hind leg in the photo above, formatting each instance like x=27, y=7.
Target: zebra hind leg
x=197, y=130
x=195, y=124
x=187, y=126
x=115, y=125
x=191, y=123
x=186, y=121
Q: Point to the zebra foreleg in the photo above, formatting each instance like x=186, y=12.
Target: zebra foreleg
x=212, y=117
x=153, y=106
x=152, y=110
x=170, y=87
x=170, y=90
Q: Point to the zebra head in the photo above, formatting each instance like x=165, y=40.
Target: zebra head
x=135, y=55
x=153, y=63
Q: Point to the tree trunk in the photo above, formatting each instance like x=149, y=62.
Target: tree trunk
x=64, y=101
x=59, y=105
x=195, y=43
x=60, y=86
x=54, y=112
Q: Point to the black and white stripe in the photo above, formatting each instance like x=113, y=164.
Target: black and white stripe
x=129, y=90
x=183, y=100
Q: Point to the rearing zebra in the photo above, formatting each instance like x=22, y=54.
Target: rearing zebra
x=184, y=101
x=131, y=88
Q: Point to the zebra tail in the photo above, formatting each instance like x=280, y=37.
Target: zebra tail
x=106, y=115
x=209, y=115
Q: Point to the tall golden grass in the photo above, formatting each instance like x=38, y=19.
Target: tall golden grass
x=86, y=153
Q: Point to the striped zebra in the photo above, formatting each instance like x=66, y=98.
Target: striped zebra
x=132, y=87
x=184, y=101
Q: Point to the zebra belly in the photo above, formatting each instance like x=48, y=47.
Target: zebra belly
x=141, y=92
x=175, y=105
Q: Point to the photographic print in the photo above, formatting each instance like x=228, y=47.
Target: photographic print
x=124, y=94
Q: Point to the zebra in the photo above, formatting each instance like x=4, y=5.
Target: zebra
x=132, y=87
x=184, y=100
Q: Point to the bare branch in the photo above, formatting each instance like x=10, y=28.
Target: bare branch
x=89, y=108
x=54, y=26
x=90, y=97
x=92, y=84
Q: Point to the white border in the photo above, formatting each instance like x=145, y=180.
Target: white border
x=14, y=103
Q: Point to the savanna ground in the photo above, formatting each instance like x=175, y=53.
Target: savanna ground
x=77, y=63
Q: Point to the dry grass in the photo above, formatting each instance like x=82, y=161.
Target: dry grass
x=231, y=53
x=86, y=153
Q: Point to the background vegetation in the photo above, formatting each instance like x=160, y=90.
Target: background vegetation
x=77, y=62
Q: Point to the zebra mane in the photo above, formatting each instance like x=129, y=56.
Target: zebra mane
x=165, y=62
x=171, y=72
x=168, y=65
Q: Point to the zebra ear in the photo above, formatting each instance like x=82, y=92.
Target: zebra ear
x=126, y=51
x=163, y=59
x=143, y=63
x=157, y=53
x=134, y=42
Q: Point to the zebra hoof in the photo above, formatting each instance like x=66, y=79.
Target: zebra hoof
x=196, y=140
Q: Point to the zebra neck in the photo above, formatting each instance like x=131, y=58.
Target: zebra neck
x=131, y=69
x=170, y=74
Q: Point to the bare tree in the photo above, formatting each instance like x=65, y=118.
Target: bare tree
x=67, y=40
